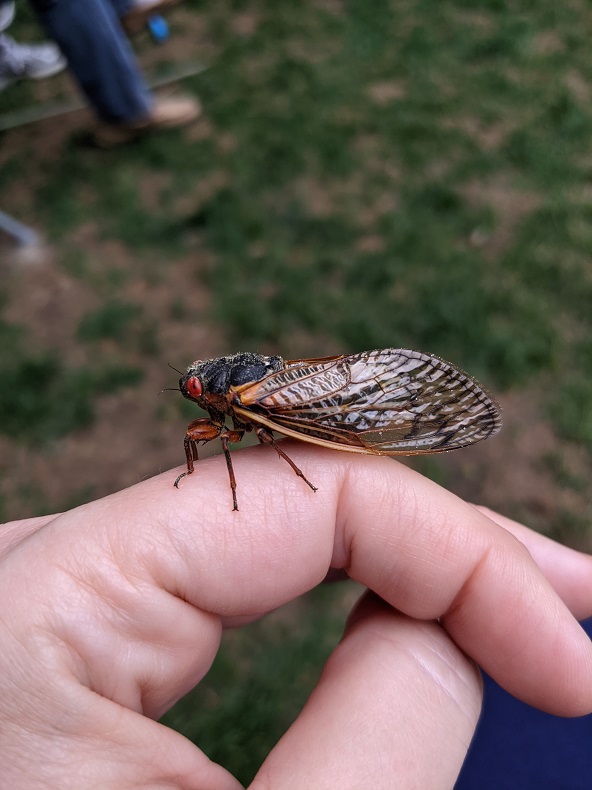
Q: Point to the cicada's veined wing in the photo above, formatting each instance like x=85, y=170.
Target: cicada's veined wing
x=388, y=402
x=289, y=363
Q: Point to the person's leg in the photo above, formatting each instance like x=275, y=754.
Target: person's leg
x=91, y=37
x=121, y=6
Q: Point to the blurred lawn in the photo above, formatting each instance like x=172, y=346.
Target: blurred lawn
x=368, y=175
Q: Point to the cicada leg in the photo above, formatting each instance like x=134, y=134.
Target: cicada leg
x=205, y=430
x=266, y=437
x=231, y=436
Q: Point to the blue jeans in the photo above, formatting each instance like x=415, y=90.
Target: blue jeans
x=99, y=54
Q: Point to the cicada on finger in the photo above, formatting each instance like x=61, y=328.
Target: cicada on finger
x=387, y=402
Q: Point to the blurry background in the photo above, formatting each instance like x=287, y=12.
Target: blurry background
x=365, y=175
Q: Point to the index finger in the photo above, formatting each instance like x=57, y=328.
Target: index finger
x=426, y=552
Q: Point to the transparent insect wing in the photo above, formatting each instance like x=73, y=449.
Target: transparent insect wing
x=392, y=401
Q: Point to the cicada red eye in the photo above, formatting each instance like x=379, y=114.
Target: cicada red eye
x=194, y=387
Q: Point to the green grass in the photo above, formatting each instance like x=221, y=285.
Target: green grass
x=42, y=398
x=111, y=321
x=412, y=174
x=122, y=322
x=564, y=476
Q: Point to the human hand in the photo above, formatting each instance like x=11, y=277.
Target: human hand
x=114, y=610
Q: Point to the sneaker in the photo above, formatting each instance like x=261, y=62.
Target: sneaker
x=28, y=61
x=6, y=14
x=137, y=17
x=166, y=113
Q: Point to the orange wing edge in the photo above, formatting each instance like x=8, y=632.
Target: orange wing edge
x=249, y=416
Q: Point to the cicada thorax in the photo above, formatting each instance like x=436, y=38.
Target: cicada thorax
x=218, y=376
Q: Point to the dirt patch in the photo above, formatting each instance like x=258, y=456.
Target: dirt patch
x=137, y=432
x=510, y=206
x=388, y=91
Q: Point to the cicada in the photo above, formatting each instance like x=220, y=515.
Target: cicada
x=388, y=402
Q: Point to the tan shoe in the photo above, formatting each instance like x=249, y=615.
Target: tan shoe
x=136, y=18
x=166, y=113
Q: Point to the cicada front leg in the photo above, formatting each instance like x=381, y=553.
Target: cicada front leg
x=205, y=430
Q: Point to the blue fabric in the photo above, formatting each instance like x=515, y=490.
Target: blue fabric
x=518, y=747
x=99, y=55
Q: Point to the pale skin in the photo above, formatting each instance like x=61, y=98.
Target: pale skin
x=112, y=611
